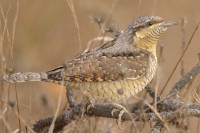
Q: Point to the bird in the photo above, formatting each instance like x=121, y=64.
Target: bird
x=112, y=71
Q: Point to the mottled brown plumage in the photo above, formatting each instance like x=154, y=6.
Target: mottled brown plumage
x=112, y=71
x=94, y=67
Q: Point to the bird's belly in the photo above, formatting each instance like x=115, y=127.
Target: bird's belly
x=110, y=91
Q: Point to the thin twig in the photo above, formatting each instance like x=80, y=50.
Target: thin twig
x=138, y=7
x=109, y=18
x=199, y=53
x=154, y=6
x=3, y=60
x=57, y=109
x=195, y=30
x=6, y=124
x=183, y=23
x=17, y=99
x=161, y=58
x=13, y=34
x=71, y=5
x=2, y=113
x=186, y=78
x=114, y=30
x=104, y=38
x=22, y=120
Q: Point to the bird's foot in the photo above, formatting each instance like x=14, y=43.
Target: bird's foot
x=121, y=109
x=91, y=104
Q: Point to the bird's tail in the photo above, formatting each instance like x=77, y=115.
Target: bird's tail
x=25, y=77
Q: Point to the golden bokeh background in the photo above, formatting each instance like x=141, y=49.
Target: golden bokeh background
x=46, y=36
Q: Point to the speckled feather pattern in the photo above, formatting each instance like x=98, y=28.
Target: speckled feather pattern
x=119, y=89
x=107, y=66
x=108, y=77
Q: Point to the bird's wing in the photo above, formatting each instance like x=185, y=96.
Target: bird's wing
x=106, y=66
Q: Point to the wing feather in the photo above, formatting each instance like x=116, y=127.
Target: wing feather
x=107, y=67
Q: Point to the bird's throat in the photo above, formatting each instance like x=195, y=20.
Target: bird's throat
x=146, y=41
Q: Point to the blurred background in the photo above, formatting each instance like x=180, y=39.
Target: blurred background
x=39, y=35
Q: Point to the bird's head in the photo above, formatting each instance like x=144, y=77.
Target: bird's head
x=146, y=31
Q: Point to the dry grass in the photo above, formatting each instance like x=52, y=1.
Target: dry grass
x=71, y=5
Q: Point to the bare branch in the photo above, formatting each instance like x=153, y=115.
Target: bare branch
x=151, y=92
x=157, y=127
x=186, y=78
x=104, y=110
x=173, y=105
x=42, y=126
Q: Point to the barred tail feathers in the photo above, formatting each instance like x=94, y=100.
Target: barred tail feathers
x=25, y=77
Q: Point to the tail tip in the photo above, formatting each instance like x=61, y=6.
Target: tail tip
x=7, y=78
x=13, y=78
x=22, y=77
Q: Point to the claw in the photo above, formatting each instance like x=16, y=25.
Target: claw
x=114, y=110
x=91, y=104
x=121, y=109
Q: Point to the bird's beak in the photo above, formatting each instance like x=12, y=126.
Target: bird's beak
x=167, y=24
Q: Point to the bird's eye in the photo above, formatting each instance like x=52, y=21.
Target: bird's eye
x=150, y=23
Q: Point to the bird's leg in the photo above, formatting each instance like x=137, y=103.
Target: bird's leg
x=91, y=104
x=121, y=109
x=70, y=98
